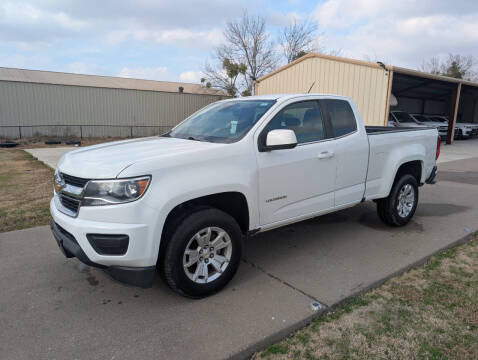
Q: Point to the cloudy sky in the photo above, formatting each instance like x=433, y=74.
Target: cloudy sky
x=171, y=40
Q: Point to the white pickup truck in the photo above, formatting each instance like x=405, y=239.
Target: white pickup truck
x=183, y=202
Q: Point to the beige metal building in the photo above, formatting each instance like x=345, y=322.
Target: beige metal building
x=370, y=85
x=36, y=103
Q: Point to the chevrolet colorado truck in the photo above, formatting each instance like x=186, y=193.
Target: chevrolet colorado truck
x=183, y=202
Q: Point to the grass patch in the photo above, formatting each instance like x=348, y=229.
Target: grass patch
x=275, y=349
x=431, y=312
x=25, y=190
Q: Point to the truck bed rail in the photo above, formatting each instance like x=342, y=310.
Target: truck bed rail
x=376, y=130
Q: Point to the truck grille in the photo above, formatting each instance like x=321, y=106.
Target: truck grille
x=70, y=203
x=74, y=181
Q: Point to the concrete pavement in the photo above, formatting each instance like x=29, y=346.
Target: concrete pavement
x=51, y=307
x=459, y=149
x=50, y=156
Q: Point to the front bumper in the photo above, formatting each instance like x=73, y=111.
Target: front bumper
x=136, y=220
x=136, y=276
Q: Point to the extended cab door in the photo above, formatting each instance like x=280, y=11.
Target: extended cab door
x=351, y=151
x=295, y=183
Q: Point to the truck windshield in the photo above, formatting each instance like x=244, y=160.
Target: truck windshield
x=222, y=122
x=403, y=117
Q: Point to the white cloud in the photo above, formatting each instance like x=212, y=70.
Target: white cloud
x=191, y=76
x=148, y=73
x=79, y=67
x=280, y=19
x=162, y=22
x=28, y=14
x=401, y=32
x=181, y=37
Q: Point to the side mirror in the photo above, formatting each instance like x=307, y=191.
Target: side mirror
x=280, y=139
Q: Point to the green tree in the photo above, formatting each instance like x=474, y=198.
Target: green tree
x=456, y=66
x=225, y=77
x=248, y=45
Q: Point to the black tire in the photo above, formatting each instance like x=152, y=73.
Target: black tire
x=387, y=208
x=171, y=266
x=73, y=142
x=8, y=144
x=52, y=142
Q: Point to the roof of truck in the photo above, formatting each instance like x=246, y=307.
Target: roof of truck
x=284, y=97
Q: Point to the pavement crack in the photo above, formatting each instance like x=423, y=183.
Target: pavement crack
x=272, y=276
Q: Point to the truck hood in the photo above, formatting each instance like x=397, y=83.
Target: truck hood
x=108, y=160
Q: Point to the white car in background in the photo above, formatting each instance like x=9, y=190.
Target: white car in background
x=462, y=130
x=403, y=119
x=439, y=124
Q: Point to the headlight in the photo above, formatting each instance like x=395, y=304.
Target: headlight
x=109, y=192
x=58, y=182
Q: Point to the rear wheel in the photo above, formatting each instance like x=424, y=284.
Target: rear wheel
x=203, y=253
x=399, y=207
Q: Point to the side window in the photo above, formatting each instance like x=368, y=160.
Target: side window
x=341, y=117
x=304, y=118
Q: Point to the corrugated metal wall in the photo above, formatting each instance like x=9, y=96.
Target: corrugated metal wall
x=29, y=104
x=367, y=85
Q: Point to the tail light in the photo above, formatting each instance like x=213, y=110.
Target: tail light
x=438, y=148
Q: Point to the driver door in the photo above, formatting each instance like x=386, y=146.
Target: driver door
x=299, y=182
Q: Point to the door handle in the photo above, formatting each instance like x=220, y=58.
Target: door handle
x=325, y=155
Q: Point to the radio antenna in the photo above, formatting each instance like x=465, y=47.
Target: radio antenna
x=311, y=86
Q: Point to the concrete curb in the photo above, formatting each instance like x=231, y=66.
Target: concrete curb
x=284, y=333
x=278, y=336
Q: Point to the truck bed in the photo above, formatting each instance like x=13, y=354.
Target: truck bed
x=390, y=146
x=375, y=130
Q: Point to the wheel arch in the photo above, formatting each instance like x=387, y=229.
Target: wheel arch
x=233, y=203
x=414, y=168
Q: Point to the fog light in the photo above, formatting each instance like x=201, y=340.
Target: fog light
x=109, y=244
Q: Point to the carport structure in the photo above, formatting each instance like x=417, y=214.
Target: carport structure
x=371, y=86
x=423, y=93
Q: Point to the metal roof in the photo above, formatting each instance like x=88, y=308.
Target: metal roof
x=61, y=78
x=395, y=69
x=322, y=56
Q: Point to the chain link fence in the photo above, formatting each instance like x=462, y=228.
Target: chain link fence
x=80, y=131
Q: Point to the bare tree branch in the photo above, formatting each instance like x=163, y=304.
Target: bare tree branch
x=431, y=66
x=457, y=66
x=248, y=42
x=298, y=39
x=224, y=77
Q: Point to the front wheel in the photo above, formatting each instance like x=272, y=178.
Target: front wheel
x=399, y=207
x=203, y=253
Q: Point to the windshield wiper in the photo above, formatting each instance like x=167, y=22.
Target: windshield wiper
x=192, y=138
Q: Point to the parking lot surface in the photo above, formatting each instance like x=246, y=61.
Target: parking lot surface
x=458, y=150
x=51, y=307
x=50, y=156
